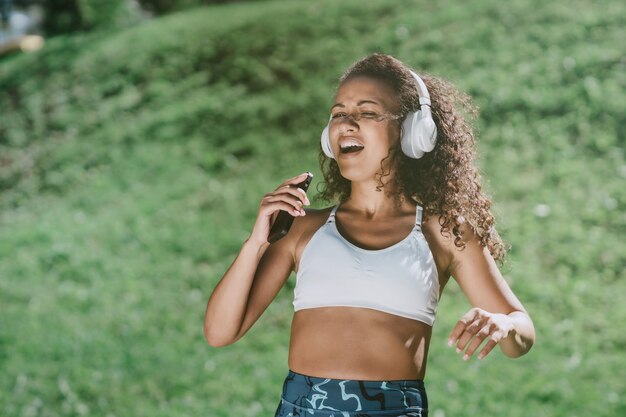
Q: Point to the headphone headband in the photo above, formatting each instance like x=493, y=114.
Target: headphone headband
x=422, y=92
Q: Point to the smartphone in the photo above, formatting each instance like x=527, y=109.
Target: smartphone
x=283, y=221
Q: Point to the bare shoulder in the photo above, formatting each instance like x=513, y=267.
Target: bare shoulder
x=431, y=225
x=440, y=242
x=304, y=227
x=308, y=224
x=468, y=255
x=313, y=217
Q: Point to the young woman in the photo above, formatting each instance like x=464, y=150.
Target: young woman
x=398, y=157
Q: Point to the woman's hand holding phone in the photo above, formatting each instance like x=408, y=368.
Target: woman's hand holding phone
x=287, y=197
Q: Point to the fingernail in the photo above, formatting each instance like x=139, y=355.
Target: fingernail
x=450, y=342
x=465, y=357
x=458, y=350
x=480, y=356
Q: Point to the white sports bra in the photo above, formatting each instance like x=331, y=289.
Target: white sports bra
x=400, y=279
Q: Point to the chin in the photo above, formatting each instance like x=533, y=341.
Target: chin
x=354, y=174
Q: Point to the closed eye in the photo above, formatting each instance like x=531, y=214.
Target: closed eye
x=367, y=115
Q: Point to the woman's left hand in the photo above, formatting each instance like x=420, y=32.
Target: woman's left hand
x=480, y=325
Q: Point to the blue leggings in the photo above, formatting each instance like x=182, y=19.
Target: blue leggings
x=309, y=396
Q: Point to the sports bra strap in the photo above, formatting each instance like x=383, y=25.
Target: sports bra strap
x=418, y=215
x=331, y=218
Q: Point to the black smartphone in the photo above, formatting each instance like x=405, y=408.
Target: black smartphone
x=283, y=221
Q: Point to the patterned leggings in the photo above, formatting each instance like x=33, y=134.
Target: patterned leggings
x=308, y=396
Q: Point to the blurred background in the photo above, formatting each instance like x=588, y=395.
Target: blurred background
x=138, y=137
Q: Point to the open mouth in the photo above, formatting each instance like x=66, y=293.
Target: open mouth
x=350, y=146
x=351, y=149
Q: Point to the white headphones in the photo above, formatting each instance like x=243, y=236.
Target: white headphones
x=419, y=133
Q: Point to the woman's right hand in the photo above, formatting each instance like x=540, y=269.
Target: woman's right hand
x=287, y=197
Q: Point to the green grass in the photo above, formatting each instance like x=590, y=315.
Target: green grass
x=132, y=164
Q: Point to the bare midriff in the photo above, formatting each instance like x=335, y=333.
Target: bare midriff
x=357, y=343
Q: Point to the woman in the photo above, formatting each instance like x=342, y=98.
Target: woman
x=371, y=269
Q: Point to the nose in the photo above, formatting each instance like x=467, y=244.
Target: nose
x=347, y=123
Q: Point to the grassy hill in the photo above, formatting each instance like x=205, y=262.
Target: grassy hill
x=132, y=164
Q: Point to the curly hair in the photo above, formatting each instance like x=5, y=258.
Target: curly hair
x=445, y=181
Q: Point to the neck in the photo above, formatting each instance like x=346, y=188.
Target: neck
x=370, y=204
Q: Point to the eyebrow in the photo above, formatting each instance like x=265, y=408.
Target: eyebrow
x=358, y=104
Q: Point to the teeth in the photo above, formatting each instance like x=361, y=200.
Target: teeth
x=349, y=143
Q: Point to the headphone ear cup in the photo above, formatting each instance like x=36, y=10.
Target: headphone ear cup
x=426, y=134
x=325, y=142
x=420, y=130
x=419, y=135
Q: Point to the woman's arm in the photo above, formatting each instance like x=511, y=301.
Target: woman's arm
x=246, y=289
x=497, y=314
x=258, y=272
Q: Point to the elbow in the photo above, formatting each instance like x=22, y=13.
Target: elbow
x=215, y=340
x=218, y=343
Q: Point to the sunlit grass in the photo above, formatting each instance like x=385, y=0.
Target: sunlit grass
x=132, y=166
